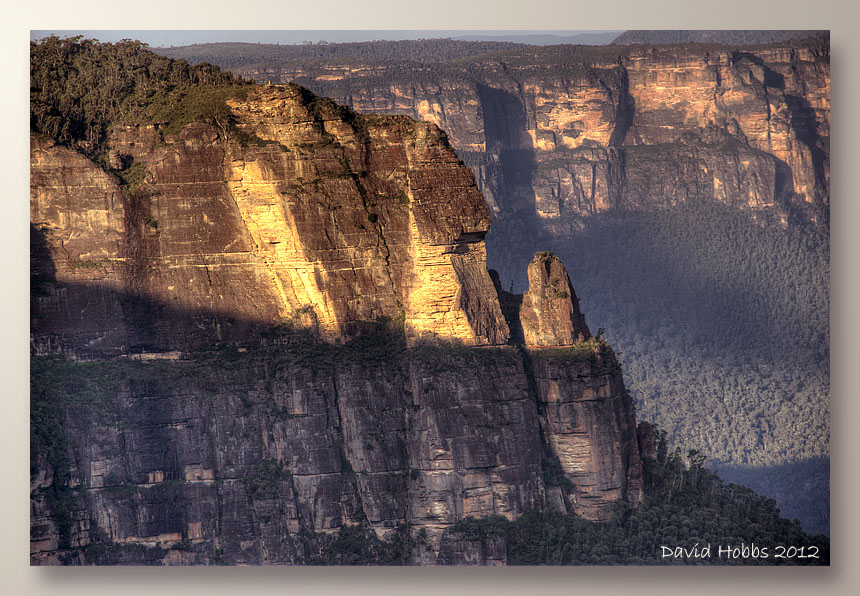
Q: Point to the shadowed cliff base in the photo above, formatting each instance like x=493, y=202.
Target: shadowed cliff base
x=271, y=441
x=275, y=453
x=204, y=428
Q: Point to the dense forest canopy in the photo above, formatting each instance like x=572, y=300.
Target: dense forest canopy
x=730, y=36
x=79, y=87
x=424, y=51
x=437, y=56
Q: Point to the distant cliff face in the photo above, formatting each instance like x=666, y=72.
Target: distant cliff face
x=256, y=324
x=566, y=131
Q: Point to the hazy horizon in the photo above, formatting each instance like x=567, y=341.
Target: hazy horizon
x=173, y=38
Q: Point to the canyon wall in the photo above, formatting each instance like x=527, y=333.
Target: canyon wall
x=567, y=130
x=251, y=343
x=265, y=456
x=664, y=145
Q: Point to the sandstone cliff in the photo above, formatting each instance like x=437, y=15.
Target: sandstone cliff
x=555, y=134
x=251, y=344
x=568, y=130
x=550, y=315
x=320, y=221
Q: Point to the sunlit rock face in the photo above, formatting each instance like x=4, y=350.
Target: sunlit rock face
x=550, y=314
x=318, y=222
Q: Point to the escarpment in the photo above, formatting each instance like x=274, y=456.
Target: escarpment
x=566, y=131
x=315, y=221
x=261, y=343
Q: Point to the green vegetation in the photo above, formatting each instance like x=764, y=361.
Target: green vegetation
x=264, y=478
x=186, y=103
x=585, y=351
x=48, y=448
x=402, y=198
x=236, y=55
x=684, y=506
x=455, y=356
x=249, y=139
x=737, y=37
x=359, y=545
x=428, y=61
x=79, y=88
x=132, y=177
x=57, y=382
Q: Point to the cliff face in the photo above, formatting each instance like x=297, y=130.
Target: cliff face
x=235, y=385
x=553, y=134
x=564, y=131
x=262, y=457
x=313, y=224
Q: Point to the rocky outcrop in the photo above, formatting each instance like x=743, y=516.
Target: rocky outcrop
x=587, y=413
x=549, y=314
x=264, y=335
x=244, y=459
x=266, y=456
x=590, y=426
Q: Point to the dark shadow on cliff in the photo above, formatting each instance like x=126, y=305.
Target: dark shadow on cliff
x=510, y=304
x=505, y=126
x=227, y=362
x=95, y=320
x=803, y=122
x=42, y=269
